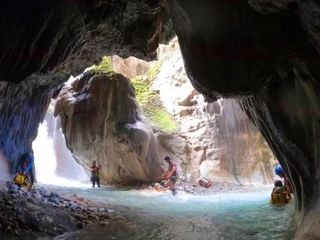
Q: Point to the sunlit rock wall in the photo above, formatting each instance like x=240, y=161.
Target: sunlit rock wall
x=101, y=121
x=130, y=67
x=215, y=140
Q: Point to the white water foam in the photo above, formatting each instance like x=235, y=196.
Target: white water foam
x=47, y=149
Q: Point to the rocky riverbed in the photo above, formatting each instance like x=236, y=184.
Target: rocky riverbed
x=39, y=213
x=195, y=188
x=43, y=214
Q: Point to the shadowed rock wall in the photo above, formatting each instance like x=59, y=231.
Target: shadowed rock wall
x=266, y=54
x=44, y=42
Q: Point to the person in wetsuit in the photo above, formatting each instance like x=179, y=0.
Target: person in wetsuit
x=170, y=177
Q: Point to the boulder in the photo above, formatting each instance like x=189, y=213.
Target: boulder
x=101, y=121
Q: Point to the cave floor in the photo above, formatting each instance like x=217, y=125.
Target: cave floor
x=143, y=214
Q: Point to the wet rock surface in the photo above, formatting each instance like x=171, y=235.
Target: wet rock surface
x=40, y=213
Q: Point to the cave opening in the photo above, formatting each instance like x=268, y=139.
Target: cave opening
x=263, y=53
x=212, y=141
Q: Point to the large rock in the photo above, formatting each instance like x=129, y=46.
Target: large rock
x=267, y=53
x=101, y=122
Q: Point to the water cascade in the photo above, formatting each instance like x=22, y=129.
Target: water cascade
x=54, y=162
x=239, y=145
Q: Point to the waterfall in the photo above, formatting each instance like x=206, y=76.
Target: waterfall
x=240, y=146
x=4, y=168
x=54, y=162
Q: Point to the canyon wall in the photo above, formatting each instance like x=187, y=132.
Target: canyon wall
x=220, y=141
x=266, y=54
x=43, y=43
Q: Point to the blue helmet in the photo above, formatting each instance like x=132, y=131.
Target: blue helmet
x=278, y=170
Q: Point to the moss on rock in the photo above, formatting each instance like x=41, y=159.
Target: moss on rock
x=104, y=66
x=150, y=103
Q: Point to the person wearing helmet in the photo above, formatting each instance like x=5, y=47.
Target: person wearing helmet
x=170, y=177
x=279, y=171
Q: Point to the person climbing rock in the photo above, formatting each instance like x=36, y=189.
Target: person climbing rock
x=170, y=177
x=95, y=174
x=286, y=182
x=25, y=176
x=279, y=194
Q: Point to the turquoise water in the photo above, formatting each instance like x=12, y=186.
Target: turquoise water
x=160, y=216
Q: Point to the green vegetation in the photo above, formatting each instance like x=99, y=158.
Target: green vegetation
x=104, y=66
x=162, y=119
x=150, y=103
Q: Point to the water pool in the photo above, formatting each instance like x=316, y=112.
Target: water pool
x=150, y=215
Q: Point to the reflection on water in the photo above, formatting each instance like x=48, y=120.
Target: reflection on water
x=161, y=216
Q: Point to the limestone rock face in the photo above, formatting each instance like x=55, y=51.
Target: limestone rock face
x=101, y=121
x=130, y=67
x=216, y=140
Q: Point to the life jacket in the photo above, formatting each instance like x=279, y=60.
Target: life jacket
x=95, y=171
x=279, y=196
x=21, y=180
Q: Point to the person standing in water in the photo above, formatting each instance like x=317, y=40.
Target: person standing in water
x=170, y=177
x=280, y=194
x=95, y=174
x=286, y=182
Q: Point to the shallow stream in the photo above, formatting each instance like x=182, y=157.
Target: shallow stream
x=150, y=215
